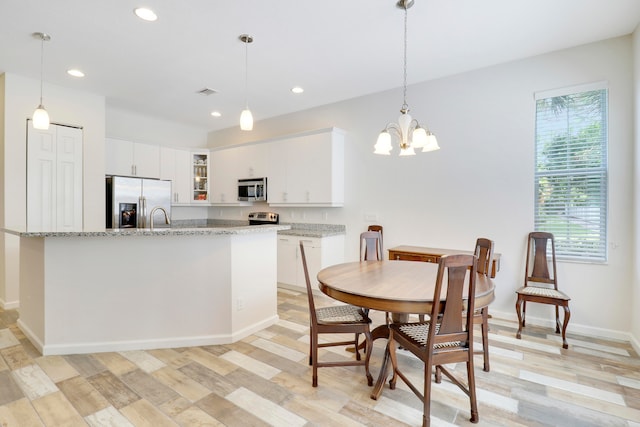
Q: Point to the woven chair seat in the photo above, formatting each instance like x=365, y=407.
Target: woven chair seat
x=341, y=314
x=537, y=291
x=418, y=332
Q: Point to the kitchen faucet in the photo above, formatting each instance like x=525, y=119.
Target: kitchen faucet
x=166, y=217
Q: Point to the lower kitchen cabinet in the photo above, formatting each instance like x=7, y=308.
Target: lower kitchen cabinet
x=321, y=252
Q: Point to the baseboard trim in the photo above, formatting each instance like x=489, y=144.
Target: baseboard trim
x=573, y=327
x=176, y=342
x=9, y=305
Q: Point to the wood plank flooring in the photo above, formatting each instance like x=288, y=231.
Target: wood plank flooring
x=265, y=380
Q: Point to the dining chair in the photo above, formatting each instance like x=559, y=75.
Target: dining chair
x=484, y=253
x=541, y=283
x=371, y=246
x=336, y=319
x=378, y=228
x=449, y=339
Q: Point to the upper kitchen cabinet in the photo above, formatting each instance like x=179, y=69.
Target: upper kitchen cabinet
x=231, y=164
x=200, y=177
x=126, y=158
x=307, y=170
x=175, y=165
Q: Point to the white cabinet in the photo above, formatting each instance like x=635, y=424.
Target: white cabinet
x=224, y=180
x=54, y=179
x=231, y=164
x=320, y=252
x=307, y=170
x=126, y=158
x=200, y=177
x=175, y=165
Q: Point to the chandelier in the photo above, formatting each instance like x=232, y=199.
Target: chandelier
x=407, y=131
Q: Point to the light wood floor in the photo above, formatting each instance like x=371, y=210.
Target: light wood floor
x=265, y=380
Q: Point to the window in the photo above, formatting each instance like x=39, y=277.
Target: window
x=571, y=171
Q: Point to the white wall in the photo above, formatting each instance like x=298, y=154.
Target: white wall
x=65, y=106
x=136, y=127
x=481, y=182
x=635, y=279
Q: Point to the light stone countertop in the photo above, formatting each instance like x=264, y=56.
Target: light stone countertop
x=178, y=231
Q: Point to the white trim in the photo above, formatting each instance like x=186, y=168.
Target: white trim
x=9, y=305
x=588, y=331
x=177, y=342
x=568, y=90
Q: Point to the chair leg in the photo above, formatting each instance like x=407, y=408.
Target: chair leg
x=519, y=304
x=485, y=337
x=314, y=358
x=356, y=345
x=557, y=320
x=471, y=381
x=426, y=396
x=567, y=315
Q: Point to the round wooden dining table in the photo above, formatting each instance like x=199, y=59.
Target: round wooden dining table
x=399, y=287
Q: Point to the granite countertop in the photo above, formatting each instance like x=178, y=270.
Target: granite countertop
x=197, y=230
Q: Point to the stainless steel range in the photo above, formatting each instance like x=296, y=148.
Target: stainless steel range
x=261, y=218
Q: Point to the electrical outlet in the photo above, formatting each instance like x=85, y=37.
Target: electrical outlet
x=240, y=304
x=325, y=216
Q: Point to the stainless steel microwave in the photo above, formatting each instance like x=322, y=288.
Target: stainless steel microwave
x=252, y=190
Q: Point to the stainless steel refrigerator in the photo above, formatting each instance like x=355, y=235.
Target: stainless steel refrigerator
x=131, y=200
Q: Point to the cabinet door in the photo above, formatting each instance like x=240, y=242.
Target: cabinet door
x=175, y=165
x=313, y=253
x=200, y=177
x=146, y=160
x=119, y=157
x=252, y=161
x=287, y=260
x=277, y=173
x=224, y=179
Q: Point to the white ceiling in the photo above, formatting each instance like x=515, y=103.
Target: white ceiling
x=335, y=49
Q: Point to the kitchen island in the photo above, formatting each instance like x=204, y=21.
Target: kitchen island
x=131, y=289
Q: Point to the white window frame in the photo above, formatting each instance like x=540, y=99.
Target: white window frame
x=570, y=235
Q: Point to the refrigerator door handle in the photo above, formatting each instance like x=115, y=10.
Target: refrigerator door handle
x=143, y=212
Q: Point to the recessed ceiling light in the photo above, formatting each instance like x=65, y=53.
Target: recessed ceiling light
x=297, y=89
x=145, y=14
x=75, y=73
x=216, y=113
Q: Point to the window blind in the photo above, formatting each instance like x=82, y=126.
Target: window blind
x=571, y=173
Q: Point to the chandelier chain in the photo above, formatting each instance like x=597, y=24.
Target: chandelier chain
x=405, y=107
x=246, y=73
x=41, y=65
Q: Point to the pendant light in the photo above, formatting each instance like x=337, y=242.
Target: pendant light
x=408, y=131
x=40, y=116
x=246, y=118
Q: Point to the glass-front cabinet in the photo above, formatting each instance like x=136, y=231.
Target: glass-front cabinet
x=200, y=177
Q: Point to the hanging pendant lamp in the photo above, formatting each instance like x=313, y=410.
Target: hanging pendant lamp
x=407, y=131
x=246, y=118
x=40, y=116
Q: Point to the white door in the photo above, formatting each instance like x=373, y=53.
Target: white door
x=54, y=179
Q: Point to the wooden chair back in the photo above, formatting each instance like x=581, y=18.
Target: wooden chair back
x=459, y=297
x=371, y=246
x=375, y=227
x=484, y=253
x=538, y=263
